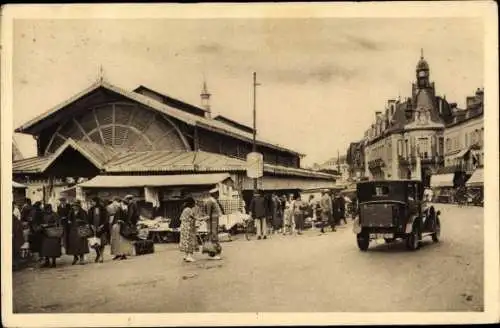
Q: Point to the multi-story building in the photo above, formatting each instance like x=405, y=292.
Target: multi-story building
x=464, y=144
x=407, y=139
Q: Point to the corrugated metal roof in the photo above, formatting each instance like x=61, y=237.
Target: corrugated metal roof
x=188, y=118
x=115, y=181
x=30, y=165
x=112, y=161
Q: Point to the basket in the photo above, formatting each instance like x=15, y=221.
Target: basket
x=54, y=232
x=84, y=231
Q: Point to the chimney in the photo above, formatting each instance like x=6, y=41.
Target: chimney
x=205, y=100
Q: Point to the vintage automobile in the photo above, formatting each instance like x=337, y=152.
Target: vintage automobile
x=394, y=209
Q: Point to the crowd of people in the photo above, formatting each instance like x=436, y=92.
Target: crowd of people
x=281, y=214
x=46, y=232
x=70, y=226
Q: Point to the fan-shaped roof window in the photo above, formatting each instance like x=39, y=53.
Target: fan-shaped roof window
x=121, y=125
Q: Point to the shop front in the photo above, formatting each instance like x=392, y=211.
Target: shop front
x=442, y=186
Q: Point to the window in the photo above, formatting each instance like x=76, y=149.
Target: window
x=466, y=140
x=381, y=191
x=448, y=144
x=423, y=147
x=440, y=150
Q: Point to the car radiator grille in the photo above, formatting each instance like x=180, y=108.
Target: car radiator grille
x=376, y=215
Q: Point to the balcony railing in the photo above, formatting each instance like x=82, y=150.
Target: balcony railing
x=412, y=160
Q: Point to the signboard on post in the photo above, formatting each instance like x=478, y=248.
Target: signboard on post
x=255, y=165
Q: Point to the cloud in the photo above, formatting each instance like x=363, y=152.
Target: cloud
x=209, y=48
x=364, y=43
x=321, y=74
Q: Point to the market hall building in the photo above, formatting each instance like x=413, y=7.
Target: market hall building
x=108, y=141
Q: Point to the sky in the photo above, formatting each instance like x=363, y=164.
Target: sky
x=321, y=79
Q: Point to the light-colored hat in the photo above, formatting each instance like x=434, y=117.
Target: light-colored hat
x=213, y=191
x=129, y=197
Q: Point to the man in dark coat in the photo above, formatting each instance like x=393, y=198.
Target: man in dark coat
x=98, y=219
x=259, y=212
x=63, y=210
x=339, y=209
x=132, y=210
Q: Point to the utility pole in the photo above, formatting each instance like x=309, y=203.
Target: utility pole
x=254, y=145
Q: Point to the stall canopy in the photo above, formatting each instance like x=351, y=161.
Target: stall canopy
x=442, y=180
x=476, y=179
x=278, y=183
x=120, y=181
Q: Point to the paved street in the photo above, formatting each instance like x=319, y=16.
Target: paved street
x=313, y=272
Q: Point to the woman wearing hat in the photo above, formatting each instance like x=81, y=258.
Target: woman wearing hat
x=77, y=245
x=51, y=246
x=188, y=242
x=35, y=234
x=98, y=219
x=121, y=247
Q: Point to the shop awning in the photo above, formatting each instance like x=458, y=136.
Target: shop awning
x=17, y=185
x=476, y=179
x=442, y=180
x=120, y=181
x=283, y=183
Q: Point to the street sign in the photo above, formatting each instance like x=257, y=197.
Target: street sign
x=255, y=165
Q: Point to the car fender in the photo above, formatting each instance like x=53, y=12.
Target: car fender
x=356, y=227
x=409, y=225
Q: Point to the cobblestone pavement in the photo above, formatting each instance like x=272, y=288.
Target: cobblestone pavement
x=312, y=272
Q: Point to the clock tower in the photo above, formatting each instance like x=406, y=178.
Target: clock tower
x=422, y=71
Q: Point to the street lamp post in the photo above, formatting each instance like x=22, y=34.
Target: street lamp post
x=254, y=144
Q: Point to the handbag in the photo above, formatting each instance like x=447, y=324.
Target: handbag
x=84, y=231
x=54, y=231
x=127, y=230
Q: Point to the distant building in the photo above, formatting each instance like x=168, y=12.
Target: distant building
x=338, y=165
x=355, y=160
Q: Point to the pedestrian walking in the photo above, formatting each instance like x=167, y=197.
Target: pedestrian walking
x=188, y=242
x=288, y=219
x=27, y=211
x=339, y=209
x=35, y=229
x=98, y=219
x=63, y=210
x=299, y=211
x=214, y=211
x=258, y=212
x=77, y=238
x=17, y=239
x=277, y=213
x=121, y=246
x=50, y=248
x=326, y=211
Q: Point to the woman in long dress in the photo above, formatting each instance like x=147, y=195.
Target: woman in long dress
x=188, y=242
x=77, y=246
x=98, y=218
x=121, y=247
x=51, y=246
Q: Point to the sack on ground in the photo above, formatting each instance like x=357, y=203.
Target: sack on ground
x=94, y=242
x=211, y=248
x=144, y=247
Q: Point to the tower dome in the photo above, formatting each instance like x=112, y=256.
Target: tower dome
x=422, y=63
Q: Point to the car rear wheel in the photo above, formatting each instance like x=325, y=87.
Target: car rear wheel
x=363, y=241
x=412, y=241
x=437, y=234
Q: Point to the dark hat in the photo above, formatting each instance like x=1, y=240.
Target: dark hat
x=62, y=199
x=117, y=199
x=96, y=199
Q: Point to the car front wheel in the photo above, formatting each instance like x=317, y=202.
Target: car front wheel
x=412, y=241
x=363, y=241
x=437, y=234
